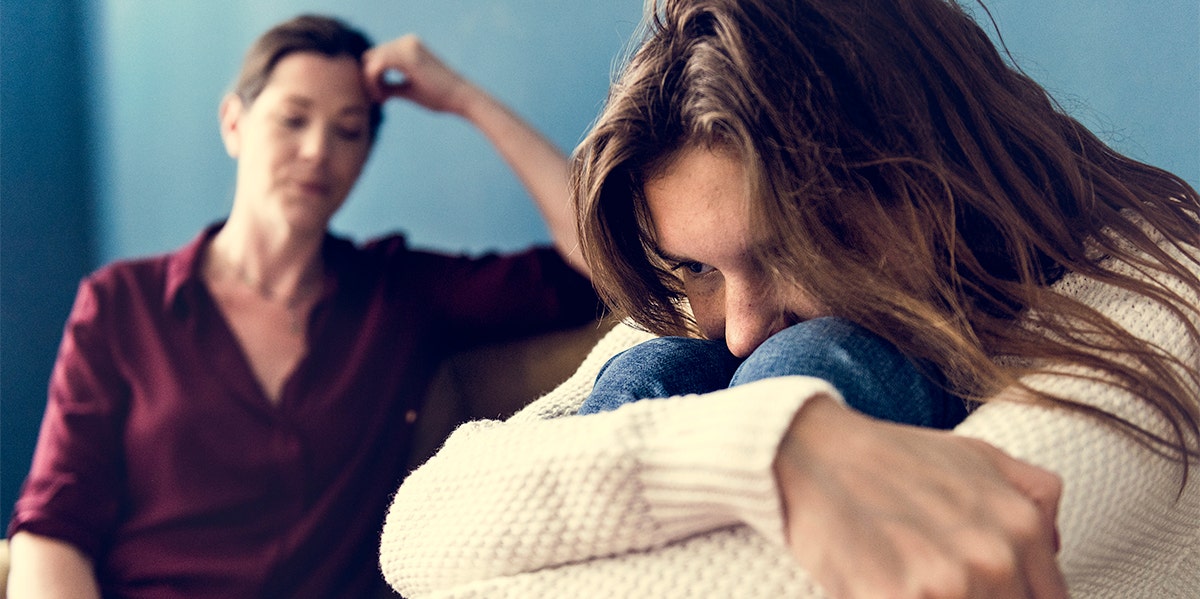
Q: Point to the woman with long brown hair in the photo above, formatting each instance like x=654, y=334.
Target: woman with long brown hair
x=766, y=162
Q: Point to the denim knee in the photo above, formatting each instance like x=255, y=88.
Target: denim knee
x=662, y=367
x=816, y=347
x=870, y=373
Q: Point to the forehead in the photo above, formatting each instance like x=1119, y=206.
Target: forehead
x=313, y=78
x=699, y=206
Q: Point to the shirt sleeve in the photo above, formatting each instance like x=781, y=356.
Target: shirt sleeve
x=501, y=296
x=505, y=498
x=71, y=491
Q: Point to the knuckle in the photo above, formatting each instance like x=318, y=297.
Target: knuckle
x=951, y=585
x=1021, y=520
x=944, y=579
x=989, y=560
x=1050, y=488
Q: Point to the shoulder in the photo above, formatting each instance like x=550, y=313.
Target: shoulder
x=392, y=244
x=390, y=263
x=391, y=252
x=131, y=278
x=1162, y=305
x=160, y=275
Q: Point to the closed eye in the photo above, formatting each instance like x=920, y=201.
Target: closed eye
x=293, y=122
x=350, y=133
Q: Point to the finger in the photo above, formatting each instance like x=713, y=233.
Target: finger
x=384, y=82
x=372, y=69
x=1043, y=576
x=1043, y=489
x=1041, y=486
x=392, y=79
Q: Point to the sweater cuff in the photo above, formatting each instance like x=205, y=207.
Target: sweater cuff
x=707, y=460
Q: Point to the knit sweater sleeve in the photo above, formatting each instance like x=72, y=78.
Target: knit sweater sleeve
x=565, y=507
x=1129, y=525
x=542, y=490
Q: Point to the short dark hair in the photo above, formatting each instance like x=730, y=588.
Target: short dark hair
x=305, y=33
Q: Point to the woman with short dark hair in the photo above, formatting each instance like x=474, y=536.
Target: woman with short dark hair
x=229, y=420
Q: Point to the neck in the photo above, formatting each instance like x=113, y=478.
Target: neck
x=281, y=267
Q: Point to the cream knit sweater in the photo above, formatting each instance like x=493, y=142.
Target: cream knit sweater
x=676, y=498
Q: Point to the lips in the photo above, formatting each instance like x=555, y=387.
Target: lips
x=316, y=188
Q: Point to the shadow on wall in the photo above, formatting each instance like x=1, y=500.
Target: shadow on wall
x=45, y=212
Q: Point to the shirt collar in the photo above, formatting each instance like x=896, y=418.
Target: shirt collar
x=183, y=267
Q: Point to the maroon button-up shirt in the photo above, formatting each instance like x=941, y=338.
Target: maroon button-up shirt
x=161, y=457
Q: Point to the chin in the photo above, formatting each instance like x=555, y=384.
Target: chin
x=303, y=215
x=306, y=223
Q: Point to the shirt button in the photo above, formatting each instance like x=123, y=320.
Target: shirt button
x=410, y=416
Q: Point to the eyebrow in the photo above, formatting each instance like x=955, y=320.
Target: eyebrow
x=672, y=260
x=676, y=260
x=351, y=109
x=302, y=101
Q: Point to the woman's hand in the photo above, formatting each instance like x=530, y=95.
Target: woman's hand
x=537, y=162
x=405, y=68
x=875, y=509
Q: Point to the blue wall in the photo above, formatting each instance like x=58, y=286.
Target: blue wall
x=1128, y=69
x=110, y=146
x=164, y=173
x=45, y=212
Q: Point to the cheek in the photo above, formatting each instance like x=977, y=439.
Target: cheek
x=708, y=308
x=801, y=303
x=261, y=159
x=269, y=153
x=350, y=163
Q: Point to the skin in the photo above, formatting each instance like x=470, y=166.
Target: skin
x=698, y=206
x=537, y=162
x=43, y=567
x=871, y=508
x=300, y=147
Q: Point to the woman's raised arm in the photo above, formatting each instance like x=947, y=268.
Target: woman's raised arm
x=538, y=163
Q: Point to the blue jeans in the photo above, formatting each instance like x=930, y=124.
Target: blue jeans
x=872, y=375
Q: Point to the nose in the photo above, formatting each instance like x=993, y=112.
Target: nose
x=752, y=314
x=315, y=144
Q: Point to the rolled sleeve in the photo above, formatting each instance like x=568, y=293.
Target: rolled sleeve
x=71, y=492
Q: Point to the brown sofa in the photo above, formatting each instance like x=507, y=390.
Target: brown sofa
x=494, y=381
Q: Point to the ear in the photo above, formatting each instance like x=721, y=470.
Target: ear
x=230, y=115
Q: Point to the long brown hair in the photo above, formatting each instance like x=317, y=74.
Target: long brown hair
x=916, y=183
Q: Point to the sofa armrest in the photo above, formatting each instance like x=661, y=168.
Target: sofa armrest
x=494, y=381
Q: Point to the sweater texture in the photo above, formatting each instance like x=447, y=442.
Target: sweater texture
x=676, y=497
